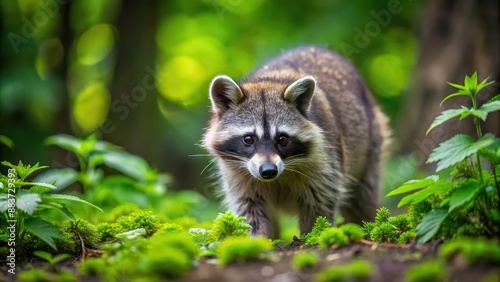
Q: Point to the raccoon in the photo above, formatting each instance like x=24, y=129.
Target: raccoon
x=301, y=135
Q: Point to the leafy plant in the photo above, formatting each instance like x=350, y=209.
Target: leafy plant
x=139, y=184
x=468, y=202
x=51, y=259
x=22, y=204
x=397, y=229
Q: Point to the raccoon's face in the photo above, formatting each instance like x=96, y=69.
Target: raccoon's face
x=260, y=127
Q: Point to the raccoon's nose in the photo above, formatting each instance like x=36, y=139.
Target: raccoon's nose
x=268, y=171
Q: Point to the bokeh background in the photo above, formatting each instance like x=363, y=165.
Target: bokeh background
x=136, y=73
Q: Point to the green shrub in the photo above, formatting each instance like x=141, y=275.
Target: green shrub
x=320, y=225
x=382, y=216
x=306, y=260
x=405, y=237
x=240, y=249
x=332, y=236
x=357, y=270
x=428, y=271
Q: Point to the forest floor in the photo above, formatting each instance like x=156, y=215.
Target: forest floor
x=389, y=263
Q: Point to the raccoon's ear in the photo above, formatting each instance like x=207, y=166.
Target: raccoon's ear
x=301, y=92
x=224, y=92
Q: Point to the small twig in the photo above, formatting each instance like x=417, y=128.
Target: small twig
x=83, y=245
x=280, y=247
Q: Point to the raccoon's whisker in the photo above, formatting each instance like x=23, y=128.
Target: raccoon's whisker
x=299, y=172
x=209, y=164
x=202, y=155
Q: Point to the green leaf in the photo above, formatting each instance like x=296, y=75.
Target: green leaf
x=22, y=170
x=51, y=259
x=132, y=234
x=42, y=230
x=65, y=141
x=465, y=194
x=437, y=188
x=445, y=116
x=459, y=93
x=490, y=107
x=476, y=113
x=430, y=225
x=128, y=164
x=458, y=86
x=494, y=98
x=6, y=141
x=412, y=185
x=69, y=198
x=4, y=202
x=27, y=202
x=458, y=148
x=21, y=183
x=484, y=84
x=61, y=177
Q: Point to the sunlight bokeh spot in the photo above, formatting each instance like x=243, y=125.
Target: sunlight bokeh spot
x=95, y=44
x=91, y=107
x=184, y=77
x=388, y=75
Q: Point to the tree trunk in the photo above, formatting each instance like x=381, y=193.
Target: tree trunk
x=456, y=39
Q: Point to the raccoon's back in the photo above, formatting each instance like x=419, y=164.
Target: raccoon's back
x=342, y=105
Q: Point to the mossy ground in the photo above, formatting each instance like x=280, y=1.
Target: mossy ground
x=388, y=263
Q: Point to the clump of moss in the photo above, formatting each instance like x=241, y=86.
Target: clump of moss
x=398, y=229
x=240, y=249
x=357, y=270
x=140, y=219
x=332, y=236
x=306, y=260
x=428, y=271
x=474, y=250
x=320, y=225
x=228, y=225
x=108, y=230
x=121, y=211
x=35, y=275
x=353, y=231
x=97, y=267
x=82, y=229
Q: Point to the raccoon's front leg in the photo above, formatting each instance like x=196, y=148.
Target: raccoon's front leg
x=254, y=209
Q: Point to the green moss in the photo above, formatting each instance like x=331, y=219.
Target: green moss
x=357, y=270
x=181, y=241
x=240, y=249
x=367, y=228
x=167, y=261
x=93, y=267
x=401, y=222
x=353, y=231
x=428, y=271
x=382, y=215
x=140, y=219
x=228, y=225
x=306, y=260
x=82, y=228
x=320, y=225
x=34, y=275
x=169, y=228
x=384, y=232
x=65, y=276
x=332, y=236
x=107, y=231
x=474, y=250
x=122, y=210
x=405, y=237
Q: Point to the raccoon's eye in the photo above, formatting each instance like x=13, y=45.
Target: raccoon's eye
x=283, y=140
x=248, y=139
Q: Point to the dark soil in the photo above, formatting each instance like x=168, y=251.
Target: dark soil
x=390, y=264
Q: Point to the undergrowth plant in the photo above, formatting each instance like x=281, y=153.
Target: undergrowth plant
x=22, y=206
x=467, y=202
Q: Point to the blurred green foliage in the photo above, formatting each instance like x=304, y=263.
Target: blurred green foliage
x=63, y=69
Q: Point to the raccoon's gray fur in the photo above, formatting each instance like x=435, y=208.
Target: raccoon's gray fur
x=302, y=134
